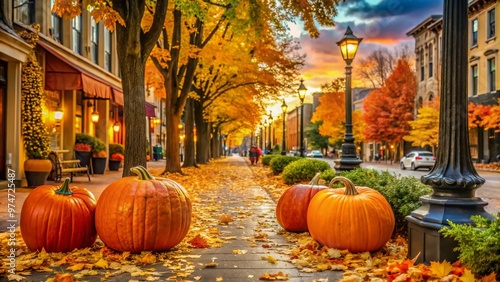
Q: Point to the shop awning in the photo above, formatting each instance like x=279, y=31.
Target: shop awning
x=150, y=110
x=62, y=74
x=118, y=97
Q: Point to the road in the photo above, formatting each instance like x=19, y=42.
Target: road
x=489, y=192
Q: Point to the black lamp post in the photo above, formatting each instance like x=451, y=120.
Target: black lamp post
x=453, y=178
x=284, y=107
x=270, y=120
x=348, y=47
x=302, y=94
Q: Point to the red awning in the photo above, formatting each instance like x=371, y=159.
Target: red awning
x=118, y=97
x=61, y=74
x=150, y=110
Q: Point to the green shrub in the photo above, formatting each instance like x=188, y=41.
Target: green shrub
x=303, y=170
x=266, y=160
x=96, y=143
x=478, y=246
x=328, y=175
x=278, y=163
x=116, y=148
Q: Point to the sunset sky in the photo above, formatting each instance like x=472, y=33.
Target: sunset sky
x=381, y=24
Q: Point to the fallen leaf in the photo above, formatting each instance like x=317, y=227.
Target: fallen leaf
x=199, y=242
x=441, y=269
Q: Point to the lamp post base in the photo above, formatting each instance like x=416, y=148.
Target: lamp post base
x=349, y=160
x=424, y=239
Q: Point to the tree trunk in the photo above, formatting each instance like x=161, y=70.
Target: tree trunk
x=173, y=119
x=189, y=153
x=133, y=48
x=202, y=133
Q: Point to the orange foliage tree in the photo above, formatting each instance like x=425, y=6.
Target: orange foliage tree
x=388, y=110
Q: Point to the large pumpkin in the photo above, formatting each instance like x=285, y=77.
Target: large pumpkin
x=58, y=219
x=143, y=213
x=291, y=211
x=357, y=219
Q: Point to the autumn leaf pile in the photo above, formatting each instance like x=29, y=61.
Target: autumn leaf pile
x=214, y=211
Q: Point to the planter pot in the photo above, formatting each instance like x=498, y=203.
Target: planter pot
x=114, y=165
x=98, y=165
x=84, y=157
x=37, y=171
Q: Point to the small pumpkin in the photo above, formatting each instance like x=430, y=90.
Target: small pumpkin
x=291, y=210
x=58, y=219
x=143, y=213
x=357, y=219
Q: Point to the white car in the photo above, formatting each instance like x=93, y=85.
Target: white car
x=314, y=154
x=417, y=159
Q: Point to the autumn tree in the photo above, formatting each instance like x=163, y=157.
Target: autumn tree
x=134, y=44
x=314, y=138
x=378, y=65
x=331, y=112
x=425, y=129
x=388, y=110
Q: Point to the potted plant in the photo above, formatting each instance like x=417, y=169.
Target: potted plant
x=36, y=138
x=83, y=148
x=116, y=156
x=99, y=156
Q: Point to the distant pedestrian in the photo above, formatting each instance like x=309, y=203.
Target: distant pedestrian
x=254, y=153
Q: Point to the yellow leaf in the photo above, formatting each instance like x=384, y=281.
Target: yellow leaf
x=469, y=277
x=441, y=269
x=218, y=279
x=76, y=267
x=489, y=278
x=102, y=263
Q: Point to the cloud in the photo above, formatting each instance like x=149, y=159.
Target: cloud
x=382, y=24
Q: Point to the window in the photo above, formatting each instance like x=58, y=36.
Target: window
x=107, y=50
x=474, y=75
x=56, y=29
x=422, y=66
x=24, y=11
x=491, y=75
x=94, y=37
x=77, y=34
x=431, y=61
x=491, y=23
x=474, y=32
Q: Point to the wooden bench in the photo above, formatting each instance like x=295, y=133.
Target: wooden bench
x=60, y=167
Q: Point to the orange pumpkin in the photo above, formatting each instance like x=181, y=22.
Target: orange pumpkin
x=291, y=211
x=143, y=213
x=58, y=219
x=357, y=219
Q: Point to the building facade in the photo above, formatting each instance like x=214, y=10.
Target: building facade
x=80, y=76
x=482, y=76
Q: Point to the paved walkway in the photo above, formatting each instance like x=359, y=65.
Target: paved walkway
x=250, y=246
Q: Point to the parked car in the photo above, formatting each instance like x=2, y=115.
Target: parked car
x=293, y=153
x=417, y=159
x=314, y=154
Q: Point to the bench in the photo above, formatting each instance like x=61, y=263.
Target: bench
x=60, y=167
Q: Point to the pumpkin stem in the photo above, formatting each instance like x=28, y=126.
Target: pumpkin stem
x=142, y=172
x=350, y=189
x=315, y=179
x=64, y=188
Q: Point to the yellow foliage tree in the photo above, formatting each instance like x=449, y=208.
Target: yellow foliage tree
x=331, y=111
x=425, y=129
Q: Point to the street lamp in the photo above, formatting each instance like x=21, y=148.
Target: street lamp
x=269, y=135
x=302, y=94
x=348, y=47
x=453, y=178
x=284, y=107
